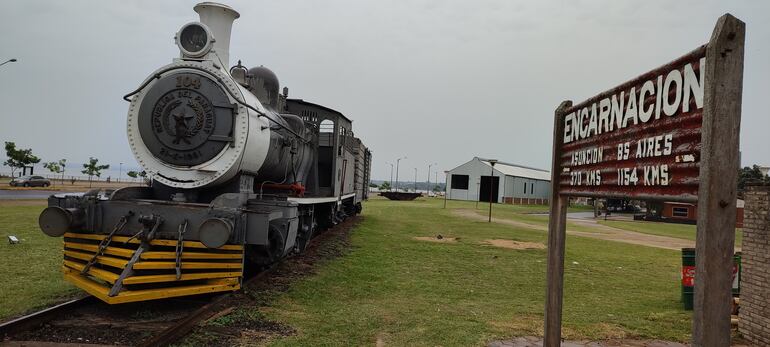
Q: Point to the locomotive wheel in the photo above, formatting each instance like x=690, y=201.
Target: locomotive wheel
x=275, y=245
x=267, y=254
x=307, y=231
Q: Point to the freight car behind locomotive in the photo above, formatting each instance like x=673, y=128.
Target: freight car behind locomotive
x=242, y=176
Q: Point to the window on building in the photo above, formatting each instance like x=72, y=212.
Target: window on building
x=326, y=126
x=460, y=182
x=681, y=212
x=532, y=188
x=525, y=187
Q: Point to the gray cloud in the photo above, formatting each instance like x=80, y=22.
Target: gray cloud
x=438, y=81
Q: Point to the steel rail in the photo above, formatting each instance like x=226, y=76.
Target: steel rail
x=41, y=317
x=187, y=324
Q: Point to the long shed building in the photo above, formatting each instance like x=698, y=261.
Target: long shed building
x=510, y=183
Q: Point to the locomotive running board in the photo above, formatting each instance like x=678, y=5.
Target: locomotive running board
x=203, y=270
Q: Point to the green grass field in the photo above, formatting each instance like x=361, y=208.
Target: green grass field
x=30, y=272
x=403, y=291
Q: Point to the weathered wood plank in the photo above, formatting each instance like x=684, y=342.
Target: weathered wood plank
x=556, y=237
x=717, y=191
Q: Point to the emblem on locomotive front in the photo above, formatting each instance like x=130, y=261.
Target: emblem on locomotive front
x=183, y=119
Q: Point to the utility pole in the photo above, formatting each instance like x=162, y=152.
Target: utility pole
x=120, y=172
x=390, y=186
x=397, y=161
x=491, y=185
x=429, y=188
x=415, y=180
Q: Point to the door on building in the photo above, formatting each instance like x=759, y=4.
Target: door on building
x=484, y=188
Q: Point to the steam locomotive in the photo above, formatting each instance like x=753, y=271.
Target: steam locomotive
x=242, y=175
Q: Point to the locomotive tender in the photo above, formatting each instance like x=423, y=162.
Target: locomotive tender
x=242, y=176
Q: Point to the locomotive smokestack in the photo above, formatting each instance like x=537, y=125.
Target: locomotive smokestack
x=219, y=18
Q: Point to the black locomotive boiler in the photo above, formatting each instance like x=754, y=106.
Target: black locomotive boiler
x=241, y=175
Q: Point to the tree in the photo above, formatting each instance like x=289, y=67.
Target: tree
x=133, y=175
x=93, y=169
x=751, y=174
x=372, y=185
x=57, y=167
x=436, y=188
x=385, y=185
x=18, y=158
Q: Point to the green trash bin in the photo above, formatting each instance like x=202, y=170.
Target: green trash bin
x=737, y=274
x=688, y=277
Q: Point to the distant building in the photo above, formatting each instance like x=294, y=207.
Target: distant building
x=688, y=213
x=509, y=183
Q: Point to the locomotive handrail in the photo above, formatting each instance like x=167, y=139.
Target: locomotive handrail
x=238, y=100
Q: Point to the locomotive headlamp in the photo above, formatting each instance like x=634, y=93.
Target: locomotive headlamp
x=194, y=39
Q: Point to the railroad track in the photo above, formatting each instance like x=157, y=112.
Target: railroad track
x=156, y=323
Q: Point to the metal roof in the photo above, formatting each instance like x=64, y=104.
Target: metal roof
x=300, y=101
x=509, y=169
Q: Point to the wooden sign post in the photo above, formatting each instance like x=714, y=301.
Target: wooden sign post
x=670, y=134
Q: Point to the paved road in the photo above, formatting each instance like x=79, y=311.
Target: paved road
x=26, y=194
x=600, y=231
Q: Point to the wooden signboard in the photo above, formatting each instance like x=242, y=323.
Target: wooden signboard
x=670, y=134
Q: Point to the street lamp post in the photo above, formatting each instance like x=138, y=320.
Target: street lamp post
x=437, y=177
x=446, y=187
x=390, y=186
x=428, y=190
x=12, y=60
x=491, y=185
x=478, y=192
x=415, y=180
x=397, y=162
x=120, y=171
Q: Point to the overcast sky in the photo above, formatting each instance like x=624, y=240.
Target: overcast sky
x=436, y=81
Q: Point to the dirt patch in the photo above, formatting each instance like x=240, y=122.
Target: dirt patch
x=437, y=238
x=510, y=244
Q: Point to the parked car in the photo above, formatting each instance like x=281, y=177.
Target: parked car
x=30, y=181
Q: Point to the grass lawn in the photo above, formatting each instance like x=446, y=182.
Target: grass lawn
x=682, y=231
x=402, y=291
x=30, y=272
